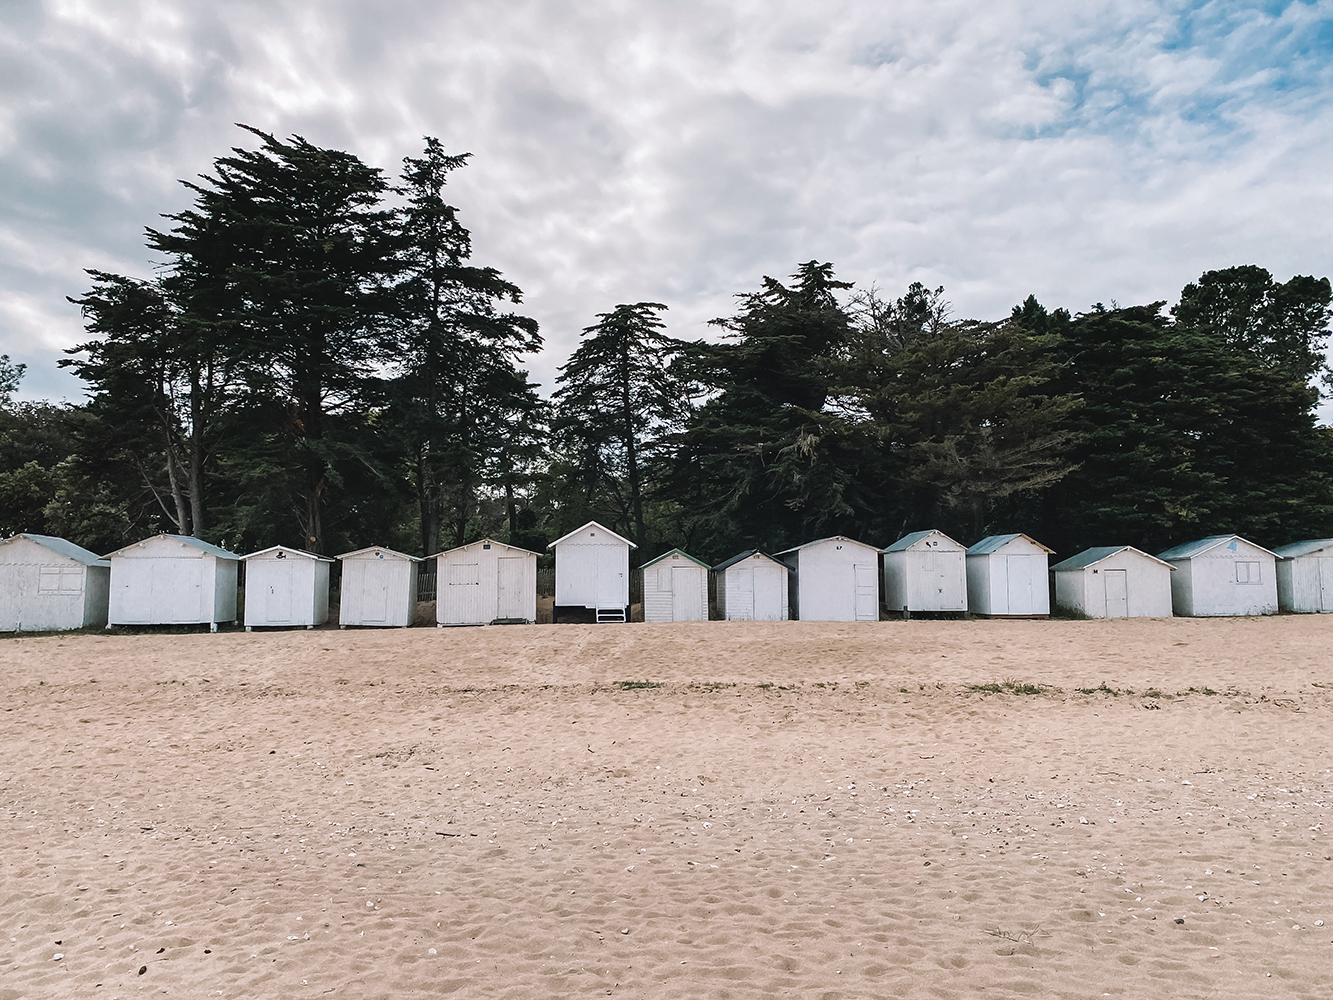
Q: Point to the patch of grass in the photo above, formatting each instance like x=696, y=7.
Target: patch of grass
x=1067, y=613
x=1007, y=686
x=1153, y=693
x=1104, y=688
x=637, y=685
x=1202, y=690
x=708, y=685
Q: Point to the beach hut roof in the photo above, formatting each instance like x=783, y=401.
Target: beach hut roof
x=62, y=547
x=821, y=541
x=675, y=552
x=485, y=542
x=1304, y=548
x=907, y=541
x=1188, y=550
x=301, y=553
x=993, y=543
x=190, y=540
x=728, y=563
x=1088, y=557
x=380, y=548
x=592, y=524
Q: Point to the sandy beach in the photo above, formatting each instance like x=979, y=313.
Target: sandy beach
x=800, y=809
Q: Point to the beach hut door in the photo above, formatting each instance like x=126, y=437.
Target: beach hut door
x=278, y=600
x=767, y=604
x=1326, y=584
x=684, y=599
x=867, y=593
x=746, y=595
x=135, y=580
x=611, y=591
x=464, y=597
x=1117, y=593
x=511, y=588
x=375, y=590
x=1020, y=585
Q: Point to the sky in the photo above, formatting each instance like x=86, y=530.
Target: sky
x=1103, y=151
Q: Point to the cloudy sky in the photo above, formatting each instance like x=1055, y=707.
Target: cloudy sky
x=1106, y=150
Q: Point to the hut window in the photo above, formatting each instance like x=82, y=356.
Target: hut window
x=1247, y=573
x=60, y=580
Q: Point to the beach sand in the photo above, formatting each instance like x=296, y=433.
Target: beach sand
x=797, y=809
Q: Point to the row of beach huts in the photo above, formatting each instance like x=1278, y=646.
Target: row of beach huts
x=49, y=583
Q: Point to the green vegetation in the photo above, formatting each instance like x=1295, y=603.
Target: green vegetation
x=1008, y=686
x=637, y=685
x=319, y=362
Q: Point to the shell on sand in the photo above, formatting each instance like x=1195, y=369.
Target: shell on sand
x=999, y=808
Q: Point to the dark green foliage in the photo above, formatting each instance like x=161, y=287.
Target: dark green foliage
x=622, y=392
x=286, y=257
x=1190, y=429
x=464, y=417
x=765, y=463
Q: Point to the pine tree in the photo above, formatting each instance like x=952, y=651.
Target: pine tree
x=466, y=417
x=618, y=396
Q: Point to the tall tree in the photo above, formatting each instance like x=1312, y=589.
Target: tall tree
x=467, y=417
x=617, y=396
x=289, y=250
x=160, y=388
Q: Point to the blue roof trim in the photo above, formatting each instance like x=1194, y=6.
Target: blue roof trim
x=1305, y=548
x=62, y=547
x=1096, y=554
x=675, y=552
x=728, y=563
x=1189, y=550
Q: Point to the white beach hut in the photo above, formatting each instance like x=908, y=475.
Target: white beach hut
x=1305, y=576
x=752, y=586
x=675, y=588
x=1114, y=581
x=925, y=571
x=286, y=587
x=173, y=580
x=1222, y=575
x=48, y=583
x=837, y=580
x=592, y=571
x=379, y=587
x=1006, y=577
x=486, y=581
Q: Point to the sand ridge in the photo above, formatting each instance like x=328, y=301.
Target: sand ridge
x=797, y=809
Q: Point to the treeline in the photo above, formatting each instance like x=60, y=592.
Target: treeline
x=319, y=363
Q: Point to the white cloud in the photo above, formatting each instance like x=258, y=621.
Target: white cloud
x=1103, y=151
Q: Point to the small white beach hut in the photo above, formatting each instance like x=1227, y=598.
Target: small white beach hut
x=675, y=588
x=592, y=571
x=1305, y=576
x=925, y=571
x=486, y=581
x=286, y=587
x=1006, y=577
x=173, y=580
x=837, y=580
x=1222, y=575
x=48, y=583
x=1114, y=581
x=379, y=587
x=752, y=586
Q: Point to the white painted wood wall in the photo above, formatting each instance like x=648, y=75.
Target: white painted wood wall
x=41, y=589
x=172, y=580
x=1305, y=582
x=285, y=586
x=928, y=575
x=837, y=580
x=592, y=568
x=379, y=587
x=1128, y=584
x=1225, y=582
x=675, y=589
x=1011, y=581
x=487, y=580
x=754, y=589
